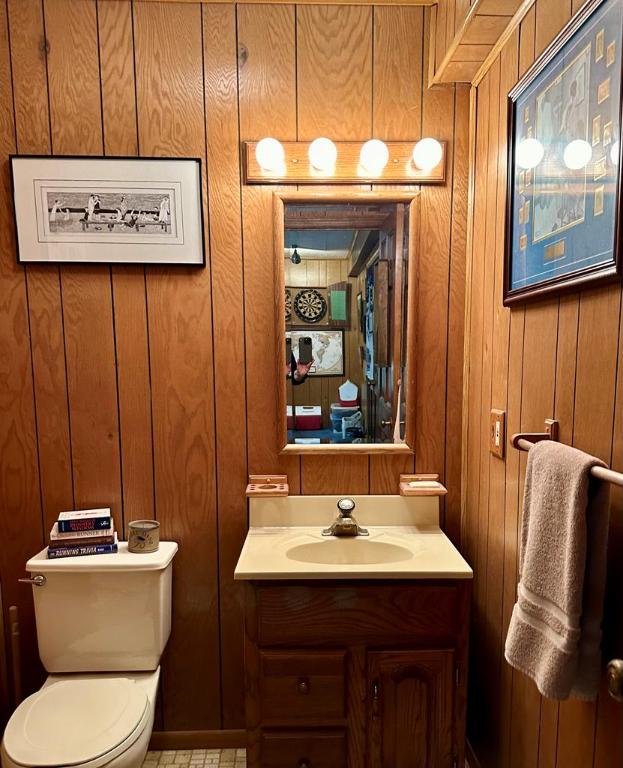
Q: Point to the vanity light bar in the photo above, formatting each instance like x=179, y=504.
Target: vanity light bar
x=292, y=164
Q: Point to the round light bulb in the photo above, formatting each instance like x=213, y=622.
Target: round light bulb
x=614, y=153
x=374, y=156
x=577, y=154
x=427, y=154
x=322, y=154
x=529, y=153
x=270, y=155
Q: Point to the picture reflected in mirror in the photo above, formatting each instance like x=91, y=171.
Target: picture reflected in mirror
x=346, y=269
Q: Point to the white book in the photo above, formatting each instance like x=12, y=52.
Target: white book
x=82, y=514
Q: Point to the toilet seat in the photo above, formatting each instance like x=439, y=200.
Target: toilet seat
x=77, y=722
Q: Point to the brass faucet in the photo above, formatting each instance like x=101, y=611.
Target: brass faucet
x=345, y=524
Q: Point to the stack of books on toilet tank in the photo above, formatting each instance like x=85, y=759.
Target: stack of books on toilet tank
x=85, y=532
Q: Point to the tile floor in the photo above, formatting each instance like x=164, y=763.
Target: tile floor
x=196, y=758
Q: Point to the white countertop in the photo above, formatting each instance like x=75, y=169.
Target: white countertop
x=407, y=552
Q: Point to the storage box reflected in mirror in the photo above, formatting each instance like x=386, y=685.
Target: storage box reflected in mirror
x=346, y=269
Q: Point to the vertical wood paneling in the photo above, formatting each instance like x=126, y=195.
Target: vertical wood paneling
x=499, y=399
x=116, y=40
x=549, y=19
x=263, y=30
x=334, y=97
x=20, y=503
x=398, y=71
x=433, y=288
x=169, y=56
x=609, y=726
x=75, y=106
x=334, y=71
x=128, y=284
x=509, y=66
x=487, y=339
x=220, y=77
x=30, y=86
x=396, y=114
x=267, y=64
x=592, y=432
x=540, y=328
x=544, y=362
x=441, y=41
x=483, y=653
x=73, y=77
x=474, y=330
x=44, y=289
x=456, y=315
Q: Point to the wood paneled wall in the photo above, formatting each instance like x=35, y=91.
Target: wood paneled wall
x=152, y=390
x=560, y=358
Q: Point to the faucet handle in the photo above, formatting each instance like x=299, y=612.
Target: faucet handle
x=346, y=506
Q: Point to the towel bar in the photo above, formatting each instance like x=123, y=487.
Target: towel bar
x=523, y=441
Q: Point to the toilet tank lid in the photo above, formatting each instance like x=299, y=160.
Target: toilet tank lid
x=118, y=561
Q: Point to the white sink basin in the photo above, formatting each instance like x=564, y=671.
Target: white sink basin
x=285, y=541
x=349, y=551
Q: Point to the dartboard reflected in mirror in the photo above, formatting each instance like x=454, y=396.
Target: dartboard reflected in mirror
x=310, y=305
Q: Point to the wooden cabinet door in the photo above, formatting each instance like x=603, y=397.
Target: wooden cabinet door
x=410, y=705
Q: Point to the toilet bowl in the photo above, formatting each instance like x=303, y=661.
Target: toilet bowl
x=83, y=721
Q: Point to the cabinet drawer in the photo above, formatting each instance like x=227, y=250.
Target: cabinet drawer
x=323, y=615
x=297, y=686
x=303, y=749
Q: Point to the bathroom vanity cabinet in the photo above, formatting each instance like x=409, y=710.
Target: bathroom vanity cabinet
x=347, y=674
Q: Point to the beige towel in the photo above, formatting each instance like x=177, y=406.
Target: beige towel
x=555, y=631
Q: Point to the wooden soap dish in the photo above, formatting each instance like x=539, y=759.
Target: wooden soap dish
x=268, y=485
x=421, y=485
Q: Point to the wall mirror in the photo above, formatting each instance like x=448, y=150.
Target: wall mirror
x=345, y=272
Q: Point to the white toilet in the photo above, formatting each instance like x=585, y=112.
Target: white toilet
x=103, y=622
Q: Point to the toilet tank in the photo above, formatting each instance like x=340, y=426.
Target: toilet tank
x=103, y=613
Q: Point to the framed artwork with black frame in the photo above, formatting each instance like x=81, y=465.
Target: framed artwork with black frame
x=564, y=161
x=110, y=210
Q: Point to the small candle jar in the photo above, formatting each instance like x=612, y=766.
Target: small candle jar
x=143, y=536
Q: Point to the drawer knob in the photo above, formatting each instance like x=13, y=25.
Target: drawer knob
x=303, y=688
x=304, y=763
x=615, y=679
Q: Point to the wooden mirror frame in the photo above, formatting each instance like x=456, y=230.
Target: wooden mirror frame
x=280, y=200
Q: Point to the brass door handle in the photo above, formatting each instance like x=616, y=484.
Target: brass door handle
x=387, y=423
x=615, y=679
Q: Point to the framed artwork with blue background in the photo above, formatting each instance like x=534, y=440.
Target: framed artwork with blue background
x=564, y=160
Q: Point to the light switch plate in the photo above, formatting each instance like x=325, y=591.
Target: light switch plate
x=497, y=433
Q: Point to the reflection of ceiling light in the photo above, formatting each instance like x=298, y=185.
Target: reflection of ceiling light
x=322, y=155
x=577, y=154
x=374, y=156
x=529, y=153
x=296, y=256
x=427, y=154
x=614, y=153
x=270, y=155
